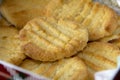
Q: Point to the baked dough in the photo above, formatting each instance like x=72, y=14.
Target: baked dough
x=100, y=56
x=99, y=19
x=10, y=44
x=115, y=37
x=47, y=39
x=19, y=12
x=65, y=69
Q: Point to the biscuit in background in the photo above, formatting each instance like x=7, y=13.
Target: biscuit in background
x=66, y=69
x=10, y=44
x=100, y=20
x=52, y=6
x=71, y=9
x=19, y=12
x=115, y=37
x=100, y=56
x=46, y=39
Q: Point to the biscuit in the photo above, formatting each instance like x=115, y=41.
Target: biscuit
x=52, y=6
x=112, y=38
x=19, y=12
x=10, y=44
x=100, y=56
x=65, y=69
x=30, y=64
x=70, y=9
x=99, y=19
x=47, y=39
x=115, y=37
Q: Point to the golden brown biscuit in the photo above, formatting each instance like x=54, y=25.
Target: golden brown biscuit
x=19, y=12
x=99, y=19
x=65, y=69
x=100, y=56
x=112, y=38
x=30, y=64
x=119, y=20
x=10, y=44
x=45, y=39
x=115, y=37
x=71, y=9
x=52, y=6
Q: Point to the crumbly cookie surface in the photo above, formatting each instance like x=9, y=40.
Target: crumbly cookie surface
x=19, y=12
x=99, y=19
x=100, y=56
x=66, y=69
x=10, y=44
x=46, y=39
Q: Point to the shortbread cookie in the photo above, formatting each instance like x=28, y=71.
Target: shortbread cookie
x=100, y=56
x=65, y=69
x=19, y=12
x=99, y=19
x=30, y=64
x=10, y=44
x=46, y=39
x=52, y=6
x=115, y=37
x=70, y=9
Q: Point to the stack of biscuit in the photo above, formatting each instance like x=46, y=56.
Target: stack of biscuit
x=60, y=39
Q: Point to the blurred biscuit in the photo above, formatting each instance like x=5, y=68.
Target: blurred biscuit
x=46, y=39
x=19, y=12
x=71, y=9
x=30, y=64
x=99, y=19
x=52, y=6
x=112, y=38
x=100, y=56
x=10, y=44
x=65, y=69
x=115, y=37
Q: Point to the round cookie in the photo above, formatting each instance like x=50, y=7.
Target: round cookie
x=19, y=12
x=65, y=69
x=46, y=39
x=99, y=19
x=10, y=44
x=100, y=56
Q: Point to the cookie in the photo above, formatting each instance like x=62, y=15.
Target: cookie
x=71, y=9
x=100, y=56
x=99, y=19
x=47, y=39
x=19, y=12
x=52, y=6
x=10, y=44
x=115, y=37
x=65, y=69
